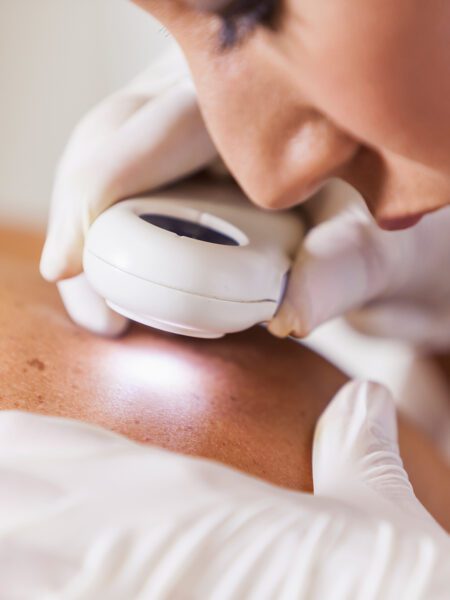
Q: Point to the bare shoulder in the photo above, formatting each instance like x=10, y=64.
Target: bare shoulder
x=248, y=400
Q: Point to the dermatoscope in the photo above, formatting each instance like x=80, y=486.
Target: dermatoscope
x=196, y=258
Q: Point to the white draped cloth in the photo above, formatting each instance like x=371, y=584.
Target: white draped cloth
x=87, y=514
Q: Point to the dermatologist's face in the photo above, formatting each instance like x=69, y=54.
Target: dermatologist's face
x=317, y=88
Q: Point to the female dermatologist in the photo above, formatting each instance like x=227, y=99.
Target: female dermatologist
x=290, y=94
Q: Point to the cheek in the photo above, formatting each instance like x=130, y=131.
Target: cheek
x=383, y=84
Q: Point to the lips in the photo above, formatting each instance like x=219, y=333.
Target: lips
x=399, y=223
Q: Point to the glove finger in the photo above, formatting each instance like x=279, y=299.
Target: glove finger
x=340, y=266
x=334, y=199
x=356, y=457
x=88, y=309
x=62, y=255
x=164, y=140
x=411, y=323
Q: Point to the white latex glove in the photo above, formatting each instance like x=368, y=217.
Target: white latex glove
x=146, y=135
x=393, y=284
x=86, y=514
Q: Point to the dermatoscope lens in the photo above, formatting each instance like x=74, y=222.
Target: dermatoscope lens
x=189, y=229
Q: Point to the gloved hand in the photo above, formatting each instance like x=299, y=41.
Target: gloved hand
x=87, y=514
x=391, y=284
x=146, y=135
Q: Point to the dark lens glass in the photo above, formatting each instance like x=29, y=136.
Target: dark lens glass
x=185, y=228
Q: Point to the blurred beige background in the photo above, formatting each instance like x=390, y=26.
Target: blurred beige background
x=57, y=59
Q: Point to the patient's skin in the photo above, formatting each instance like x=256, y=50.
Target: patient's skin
x=248, y=400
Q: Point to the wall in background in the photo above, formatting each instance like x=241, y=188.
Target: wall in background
x=57, y=59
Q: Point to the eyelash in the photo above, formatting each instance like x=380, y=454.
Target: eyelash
x=241, y=17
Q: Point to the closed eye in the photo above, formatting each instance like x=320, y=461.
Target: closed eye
x=240, y=17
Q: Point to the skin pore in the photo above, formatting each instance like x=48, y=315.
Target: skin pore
x=249, y=400
x=320, y=89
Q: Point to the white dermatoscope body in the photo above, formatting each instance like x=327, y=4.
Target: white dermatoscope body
x=196, y=259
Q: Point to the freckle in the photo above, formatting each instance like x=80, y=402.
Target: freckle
x=36, y=364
